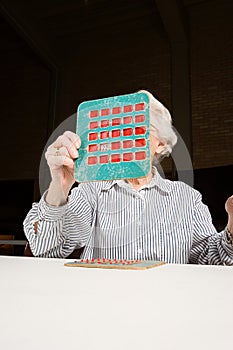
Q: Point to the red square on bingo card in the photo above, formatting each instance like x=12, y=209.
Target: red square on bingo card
x=115, y=138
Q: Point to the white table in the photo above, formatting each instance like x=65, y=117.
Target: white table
x=45, y=305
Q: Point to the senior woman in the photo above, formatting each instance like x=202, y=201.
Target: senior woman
x=148, y=218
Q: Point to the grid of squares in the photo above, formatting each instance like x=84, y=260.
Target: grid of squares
x=120, y=129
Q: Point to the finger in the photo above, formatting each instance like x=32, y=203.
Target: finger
x=230, y=201
x=64, y=141
x=229, y=205
x=62, y=151
x=55, y=162
x=58, y=152
x=74, y=138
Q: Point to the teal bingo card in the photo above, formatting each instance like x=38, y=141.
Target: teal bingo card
x=115, y=138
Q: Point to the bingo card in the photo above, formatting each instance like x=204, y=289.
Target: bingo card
x=115, y=264
x=115, y=141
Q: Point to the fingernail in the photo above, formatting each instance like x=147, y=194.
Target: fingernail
x=75, y=153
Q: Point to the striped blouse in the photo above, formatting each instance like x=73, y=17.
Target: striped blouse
x=164, y=220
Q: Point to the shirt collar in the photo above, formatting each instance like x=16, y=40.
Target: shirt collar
x=157, y=180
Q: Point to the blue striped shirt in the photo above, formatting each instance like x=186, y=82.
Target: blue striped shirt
x=164, y=220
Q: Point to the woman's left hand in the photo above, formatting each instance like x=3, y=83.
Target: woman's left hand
x=229, y=210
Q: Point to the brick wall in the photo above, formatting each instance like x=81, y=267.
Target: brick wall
x=212, y=84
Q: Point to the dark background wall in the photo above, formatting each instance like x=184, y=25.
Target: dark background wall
x=55, y=54
x=211, y=52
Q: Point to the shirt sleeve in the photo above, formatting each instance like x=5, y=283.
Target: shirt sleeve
x=56, y=231
x=209, y=246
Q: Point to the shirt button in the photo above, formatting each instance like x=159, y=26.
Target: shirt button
x=139, y=251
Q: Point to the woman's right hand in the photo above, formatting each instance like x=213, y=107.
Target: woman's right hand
x=60, y=157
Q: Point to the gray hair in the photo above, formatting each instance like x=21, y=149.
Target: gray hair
x=161, y=125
